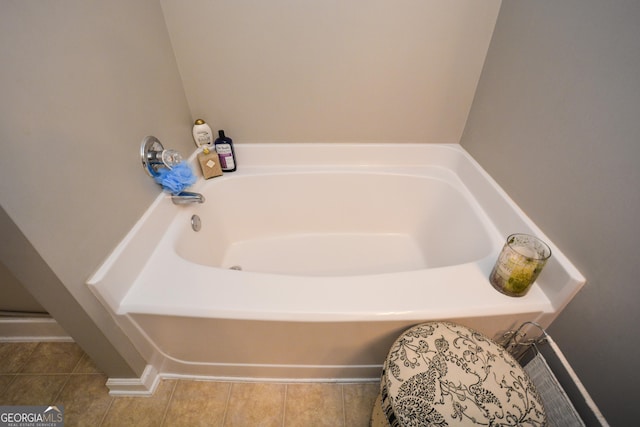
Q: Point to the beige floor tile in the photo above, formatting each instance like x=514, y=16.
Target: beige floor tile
x=314, y=405
x=53, y=357
x=140, y=411
x=85, y=399
x=358, y=403
x=5, y=380
x=13, y=356
x=86, y=366
x=256, y=405
x=175, y=403
x=197, y=403
x=34, y=389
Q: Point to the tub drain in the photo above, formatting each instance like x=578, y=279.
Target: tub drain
x=235, y=267
x=196, y=223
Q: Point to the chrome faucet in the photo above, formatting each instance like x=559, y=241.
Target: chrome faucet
x=187, y=198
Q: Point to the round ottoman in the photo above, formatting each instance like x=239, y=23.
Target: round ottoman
x=443, y=374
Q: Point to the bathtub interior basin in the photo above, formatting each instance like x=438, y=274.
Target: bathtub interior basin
x=336, y=224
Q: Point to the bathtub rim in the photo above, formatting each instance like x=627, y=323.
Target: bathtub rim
x=111, y=285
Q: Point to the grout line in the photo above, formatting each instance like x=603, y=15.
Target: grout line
x=226, y=405
x=55, y=399
x=28, y=358
x=38, y=374
x=77, y=374
x=2, y=392
x=284, y=404
x=166, y=409
x=78, y=362
x=104, y=416
x=344, y=406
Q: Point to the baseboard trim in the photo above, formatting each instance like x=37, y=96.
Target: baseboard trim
x=32, y=329
x=143, y=386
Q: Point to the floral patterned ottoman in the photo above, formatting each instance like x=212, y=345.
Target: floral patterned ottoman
x=443, y=374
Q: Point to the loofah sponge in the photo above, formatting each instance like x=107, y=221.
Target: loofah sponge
x=176, y=179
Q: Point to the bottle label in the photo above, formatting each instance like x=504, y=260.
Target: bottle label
x=226, y=156
x=203, y=138
x=202, y=135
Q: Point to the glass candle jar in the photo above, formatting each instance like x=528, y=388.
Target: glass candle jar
x=519, y=264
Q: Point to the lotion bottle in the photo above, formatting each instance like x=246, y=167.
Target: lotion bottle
x=224, y=148
x=202, y=133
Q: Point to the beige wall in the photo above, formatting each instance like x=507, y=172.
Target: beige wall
x=82, y=83
x=13, y=296
x=332, y=70
x=555, y=122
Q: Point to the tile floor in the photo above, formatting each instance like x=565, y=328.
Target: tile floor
x=61, y=373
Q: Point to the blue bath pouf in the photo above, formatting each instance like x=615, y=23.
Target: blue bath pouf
x=176, y=179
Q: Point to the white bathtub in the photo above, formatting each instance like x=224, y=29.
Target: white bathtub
x=341, y=247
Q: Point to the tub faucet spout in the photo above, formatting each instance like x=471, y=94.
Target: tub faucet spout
x=187, y=198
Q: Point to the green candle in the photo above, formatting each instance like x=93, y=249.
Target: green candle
x=519, y=264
